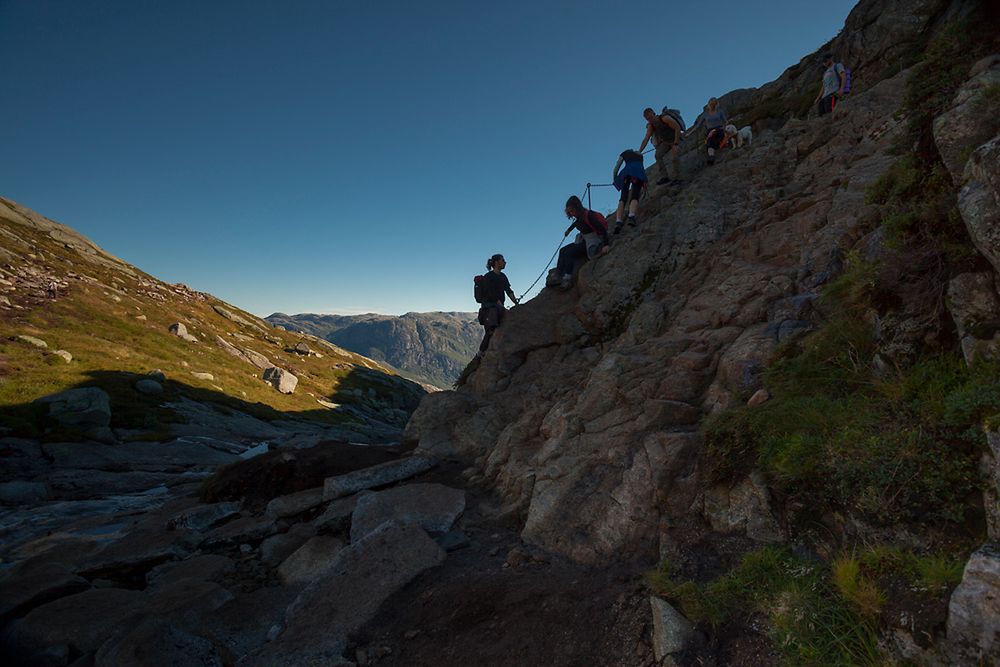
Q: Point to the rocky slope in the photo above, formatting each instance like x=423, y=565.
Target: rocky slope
x=427, y=347
x=588, y=413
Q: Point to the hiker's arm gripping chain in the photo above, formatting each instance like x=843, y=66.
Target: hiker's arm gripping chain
x=568, y=230
x=645, y=139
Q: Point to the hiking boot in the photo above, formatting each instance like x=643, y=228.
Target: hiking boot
x=618, y=227
x=632, y=222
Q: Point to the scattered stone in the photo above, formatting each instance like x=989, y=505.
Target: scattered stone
x=246, y=549
x=277, y=548
x=273, y=632
x=382, y=474
x=141, y=318
x=246, y=529
x=280, y=379
x=82, y=621
x=203, y=376
x=31, y=340
x=351, y=591
x=337, y=515
x=517, y=557
x=411, y=634
x=974, y=610
x=31, y=584
x=433, y=507
x=310, y=561
x=83, y=407
x=64, y=354
x=453, y=540
x=157, y=375
x=204, y=517
x=671, y=631
x=149, y=387
x=206, y=567
x=302, y=348
x=256, y=450
x=759, y=397
x=295, y=503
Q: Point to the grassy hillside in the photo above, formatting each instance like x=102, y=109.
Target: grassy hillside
x=114, y=320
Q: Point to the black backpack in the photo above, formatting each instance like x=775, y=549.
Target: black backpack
x=479, y=288
x=676, y=115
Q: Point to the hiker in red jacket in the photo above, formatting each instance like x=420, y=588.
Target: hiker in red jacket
x=592, y=240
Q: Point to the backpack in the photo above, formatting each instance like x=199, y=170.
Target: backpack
x=847, y=79
x=479, y=288
x=676, y=115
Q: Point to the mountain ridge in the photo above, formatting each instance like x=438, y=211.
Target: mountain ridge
x=430, y=347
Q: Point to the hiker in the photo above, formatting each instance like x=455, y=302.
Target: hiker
x=493, y=286
x=715, y=121
x=666, y=133
x=630, y=181
x=591, y=242
x=834, y=85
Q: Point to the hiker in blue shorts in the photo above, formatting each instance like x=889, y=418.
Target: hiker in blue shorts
x=834, y=83
x=630, y=181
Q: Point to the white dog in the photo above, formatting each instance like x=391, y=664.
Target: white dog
x=744, y=137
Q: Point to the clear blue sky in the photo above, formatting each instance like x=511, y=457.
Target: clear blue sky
x=329, y=156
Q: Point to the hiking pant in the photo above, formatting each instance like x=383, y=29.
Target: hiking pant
x=490, y=328
x=670, y=164
x=568, y=256
x=827, y=104
x=715, y=137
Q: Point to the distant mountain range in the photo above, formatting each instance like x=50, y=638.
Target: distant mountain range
x=428, y=347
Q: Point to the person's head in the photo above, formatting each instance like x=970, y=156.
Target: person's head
x=574, y=207
x=712, y=103
x=828, y=59
x=648, y=114
x=496, y=261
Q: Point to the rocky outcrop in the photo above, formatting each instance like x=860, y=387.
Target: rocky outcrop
x=86, y=408
x=280, y=379
x=979, y=200
x=584, y=412
x=972, y=119
x=974, y=610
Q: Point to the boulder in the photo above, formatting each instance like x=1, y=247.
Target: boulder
x=382, y=474
x=82, y=621
x=979, y=200
x=302, y=348
x=203, y=517
x=671, y=631
x=203, y=376
x=33, y=583
x=66, y=356
x=433, y=507
x=745, y=507
x=349, y=594
x=295, y=503
x=337, y=515
x=310, y=561
x=969, y=122
x=180, y=330
x=31, y=340
x=975, y=308
x=277, y=548
x=83, y=407
x=280, y=379
x=245, y=530
x=974, y=610
x=149, y=387
x=206, y=567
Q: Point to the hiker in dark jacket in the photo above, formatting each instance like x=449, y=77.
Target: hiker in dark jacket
x=630, y=181
x=592, y=240
x=666, y=134
x=495, y=286
x=714, y=119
